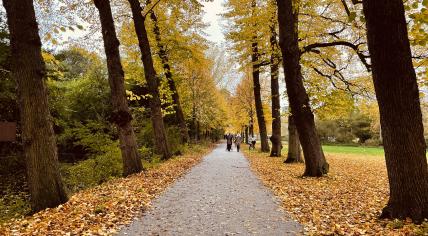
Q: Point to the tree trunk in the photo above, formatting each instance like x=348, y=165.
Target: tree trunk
x=294, y=151
x=315, y=162
x=258, y=100
x=198, y=130
x=171, y=83
x=276, y=106
x=121, y=115
x=400, y=113
x=251, y=128
x=28, y=69
x=257, y=93
x=246, y=134
x=161, y=141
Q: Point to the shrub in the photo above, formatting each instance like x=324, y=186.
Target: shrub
x=94, y=171
x=373, y=142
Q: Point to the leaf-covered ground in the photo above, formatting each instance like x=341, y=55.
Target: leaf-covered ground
x=103, y=209
x=346, y=202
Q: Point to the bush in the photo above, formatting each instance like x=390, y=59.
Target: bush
x=174, y=139
x=94, y=171
x=145, y=138
x=373, y=142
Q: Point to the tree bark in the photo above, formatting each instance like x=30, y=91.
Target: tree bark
x=276, y=106
x=294, y=150
x=258, y=99
x=246, y=134
x=171, y=83
x=257, y=93
x=315, y=162
x=121, y=115
x=400, y=112
x=28, y=69
x=161, y=141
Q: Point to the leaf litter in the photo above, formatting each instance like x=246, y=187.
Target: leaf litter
x=104, y=209
x=347, y=201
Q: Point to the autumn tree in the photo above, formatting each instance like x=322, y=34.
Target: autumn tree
x=204, y=103
x=121, y=115
x=400, y=113
x=274, y=73
x=255, y=60
x=249, y=46
x=242, y=104
x=163, y=54
x=28, y=69
x=161, y=142
x=315, y=162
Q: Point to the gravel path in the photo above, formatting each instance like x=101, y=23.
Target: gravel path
x=220, y=196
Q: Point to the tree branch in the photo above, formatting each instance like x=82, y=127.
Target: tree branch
x=313, y=48
x=151, y=8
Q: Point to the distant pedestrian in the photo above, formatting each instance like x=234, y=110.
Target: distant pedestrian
x=238, y=141
x=229, y=141
x=252, y=142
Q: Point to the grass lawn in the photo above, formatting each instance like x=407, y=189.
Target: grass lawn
x=352, y=150
x=371, y=151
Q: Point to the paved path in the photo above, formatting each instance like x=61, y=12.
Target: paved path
x=220, y=196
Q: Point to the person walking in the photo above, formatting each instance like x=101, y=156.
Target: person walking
x=229, y=141
x=252, y=142
x=238, y=141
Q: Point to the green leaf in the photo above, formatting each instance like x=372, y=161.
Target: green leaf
x=352, y=16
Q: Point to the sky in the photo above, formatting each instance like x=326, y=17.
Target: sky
x=212, y=9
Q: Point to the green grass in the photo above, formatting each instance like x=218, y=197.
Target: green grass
x=372, y=151
x=344, y=149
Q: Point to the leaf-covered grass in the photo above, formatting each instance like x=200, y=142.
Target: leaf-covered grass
x=346, y=202
x=101, y=210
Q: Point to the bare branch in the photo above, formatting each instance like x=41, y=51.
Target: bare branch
x=313, y=48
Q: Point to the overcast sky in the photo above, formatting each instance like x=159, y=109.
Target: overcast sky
x=212, y=9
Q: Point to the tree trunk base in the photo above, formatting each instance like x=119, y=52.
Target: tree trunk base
x=317, y=172
x=404, y=210
x=292, y=160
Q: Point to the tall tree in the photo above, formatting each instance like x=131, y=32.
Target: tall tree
x=168, y=74
x=28, y=69
x=152, y=79
x=315, y=162
x=255, y=60
x=121, y=115
x=400, y=113
x=276, y=106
